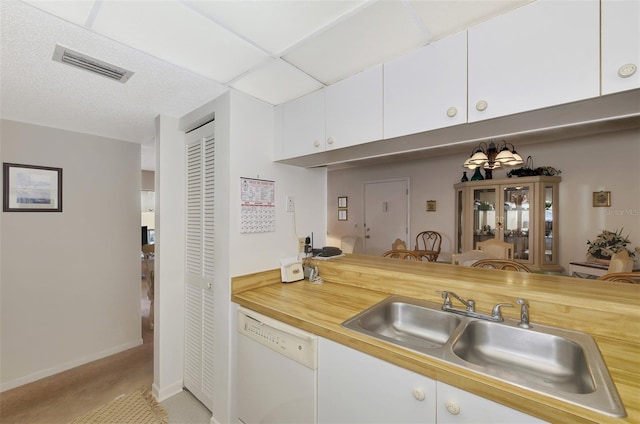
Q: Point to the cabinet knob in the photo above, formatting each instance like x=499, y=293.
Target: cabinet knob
x=418, y=393
x=330, y=140
x=452, y=407
x=316, y=143
x=452, y=111
x=482, y=105
x=627, y=70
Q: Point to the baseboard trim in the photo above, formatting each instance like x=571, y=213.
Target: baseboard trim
x=165, y=392
x=67, y=366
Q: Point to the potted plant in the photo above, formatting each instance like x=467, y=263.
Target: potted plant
x=606, y=244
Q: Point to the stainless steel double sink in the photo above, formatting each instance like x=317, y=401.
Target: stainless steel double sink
x=563, y=364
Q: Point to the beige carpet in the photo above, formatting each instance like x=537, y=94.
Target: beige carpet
x=139, y=407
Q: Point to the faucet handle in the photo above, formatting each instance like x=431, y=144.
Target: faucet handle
x=496, y=313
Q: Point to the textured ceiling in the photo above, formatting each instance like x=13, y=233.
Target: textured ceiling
x=186, y=53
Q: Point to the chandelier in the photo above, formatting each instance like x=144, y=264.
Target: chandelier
x=490, y=157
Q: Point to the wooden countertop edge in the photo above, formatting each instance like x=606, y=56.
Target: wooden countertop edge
x=512, y=396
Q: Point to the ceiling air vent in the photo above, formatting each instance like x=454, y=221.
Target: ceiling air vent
x=79, y=60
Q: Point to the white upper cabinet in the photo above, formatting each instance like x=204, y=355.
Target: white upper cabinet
x=426, y=89
x=620, y=45
x=543, y=54
x=303, y=125
x=354, y=109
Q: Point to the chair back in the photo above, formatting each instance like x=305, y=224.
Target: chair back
x=620, y=262
x=621, y=277
x=408, y=255
x=428, y=244
x=348, y=243
x=469, y=257
x=501, y=264
x=399, y=245
x=496, y=248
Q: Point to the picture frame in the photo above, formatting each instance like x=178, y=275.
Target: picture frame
x=601, y=199
x=31, y=188
x=431, y=205
x=342, y=215
x=342, y=201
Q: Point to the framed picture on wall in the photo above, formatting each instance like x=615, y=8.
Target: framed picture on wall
x=601, y=199
x=30, y=188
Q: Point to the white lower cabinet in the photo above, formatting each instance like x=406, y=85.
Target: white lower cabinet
x=457, y=406
x=354, y=387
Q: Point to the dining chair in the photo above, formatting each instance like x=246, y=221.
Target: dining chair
x=408, y=255
x=399, y=245
x=348, y=244
x=621, y=277
x=496, y=248
x=620, y=262
x=501, y=264
x=428, y=245
x=469, y=257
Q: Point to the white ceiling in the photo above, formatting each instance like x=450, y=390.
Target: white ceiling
x=186, y=53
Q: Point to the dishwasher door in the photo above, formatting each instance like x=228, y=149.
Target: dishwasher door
x=277, y=371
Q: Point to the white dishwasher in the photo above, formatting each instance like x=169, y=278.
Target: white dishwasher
x=277, y=371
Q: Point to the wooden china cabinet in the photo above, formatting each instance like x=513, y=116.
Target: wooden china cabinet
x=519, y=210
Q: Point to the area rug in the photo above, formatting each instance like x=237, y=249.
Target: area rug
x=139, y=407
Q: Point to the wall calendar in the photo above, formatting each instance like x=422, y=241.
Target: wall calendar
x=258, y=209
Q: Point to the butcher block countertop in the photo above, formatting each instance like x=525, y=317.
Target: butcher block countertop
x=610, y=312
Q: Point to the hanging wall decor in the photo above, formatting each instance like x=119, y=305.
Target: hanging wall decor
x=30, y=188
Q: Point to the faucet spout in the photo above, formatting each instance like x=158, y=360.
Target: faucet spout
x=470, y=304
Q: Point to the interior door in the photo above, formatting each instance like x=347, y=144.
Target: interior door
x=386, y=215
x=200, y=264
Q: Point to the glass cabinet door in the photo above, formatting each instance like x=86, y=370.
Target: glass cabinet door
x=516, y=219
x=549, y=245
x=484, y=214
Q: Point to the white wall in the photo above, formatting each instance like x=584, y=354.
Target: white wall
x=70, y=281
x=244, y=129
x=609, y=162
x=168, y=341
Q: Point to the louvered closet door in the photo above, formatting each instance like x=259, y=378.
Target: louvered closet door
x=200, y=260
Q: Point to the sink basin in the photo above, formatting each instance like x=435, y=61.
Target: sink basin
x=563, y=364
x=523, y=356
x=411, y=323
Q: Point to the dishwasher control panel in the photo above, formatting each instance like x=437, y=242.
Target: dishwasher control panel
x=289, y=341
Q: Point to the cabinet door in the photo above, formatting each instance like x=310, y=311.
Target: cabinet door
x=354, y=109
x=457, y=406
x=427, y=89
x=518, y=220
x=354, y=387
x=542, y=54
x=486, y=214
x=303, y=125
x=620, y=45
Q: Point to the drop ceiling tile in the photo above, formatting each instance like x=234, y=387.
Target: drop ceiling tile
x=35, y=89
x=443, y=18
x=73, y=11
x=174, y=32
x=274, y=25
x=276, y=82
x=376, y=33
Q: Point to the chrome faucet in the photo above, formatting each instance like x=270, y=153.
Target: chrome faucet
x=470, y=304
x=470, y=311
x=524, y=314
